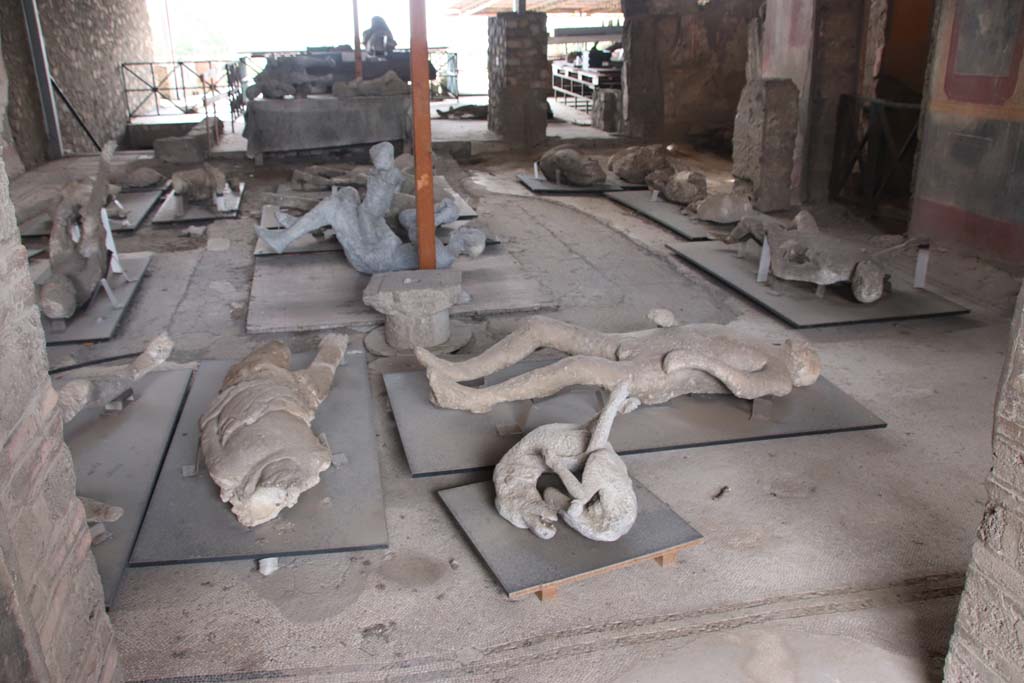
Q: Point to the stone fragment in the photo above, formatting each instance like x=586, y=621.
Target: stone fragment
x=255, y=437
x=388, y=84
x=141, y=177
x=566, y=165
x=684, y=187
x=601, y=504
x=634, y=164
x=98, y=385
x=802, y=253
x=606, y=114
x=293, y=75
x=805, y=222
x=199, y=185
x=362, y=229
x=77, y=246
x=415, y=304
x=658, y=364
x=724, y=208
x=764, y=140
x=194, y=231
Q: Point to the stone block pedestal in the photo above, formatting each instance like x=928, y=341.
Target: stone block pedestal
x=416, y=305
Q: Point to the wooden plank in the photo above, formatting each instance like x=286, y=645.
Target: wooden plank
x=420, y=71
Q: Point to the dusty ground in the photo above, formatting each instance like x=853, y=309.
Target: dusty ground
x=833, y=556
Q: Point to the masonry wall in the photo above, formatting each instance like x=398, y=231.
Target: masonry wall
x=969, y=179
x=519, y=77
x=86, y=41
x=684, y=66
x=835, y=71
x=53, y=626
x=987, y=640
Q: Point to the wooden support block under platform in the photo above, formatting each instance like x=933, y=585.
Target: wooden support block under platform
x=667, y=214
x=117, y=457
x=544, y=186
x=187, y=522
x=438, y=441
x=174, y=211
x=527, y=565
x=306, y=292
x=99, y=319
x=798, y=304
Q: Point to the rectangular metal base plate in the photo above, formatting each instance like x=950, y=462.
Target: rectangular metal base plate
x=136, y=203
x=166, y=214
x=665, y=213
x=545, y=186
x=307, y=244
x=187, y=522
x=138, y=206
x=796, y=302
x=306, y=292
x=465, y=210
x=524, y=564
x=99, y=319
x=117, y=456
x=439, y=441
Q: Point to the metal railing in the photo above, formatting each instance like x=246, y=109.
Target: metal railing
x=161, y=88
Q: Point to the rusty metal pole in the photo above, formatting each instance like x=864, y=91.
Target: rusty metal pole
x=421, y=134
x=359, y=51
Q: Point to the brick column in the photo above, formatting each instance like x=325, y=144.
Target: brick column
x=519, y=77
x=53, y=626
x=988, y=641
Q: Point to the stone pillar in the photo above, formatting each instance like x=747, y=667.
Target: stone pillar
x=764, y=139
x=607, y=111
x=519, y=77
x=53, y=626
x=416, y=306
x=987, y=640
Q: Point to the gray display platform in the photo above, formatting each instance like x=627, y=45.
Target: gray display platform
x=465, y=210
x=187, y=522
x=544, y=186
x=796, y=302
x=37, y=226
x=117, y=457
x=167, y=214
x=439, y=441
x=525, y=564
x=138, y=205
x=98, y=321
x=307, y=244
x=667, y=214
x=306, y=292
